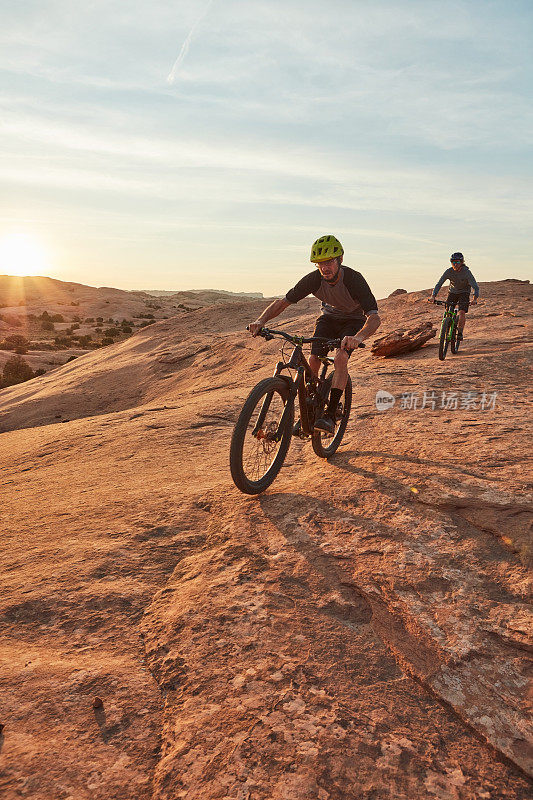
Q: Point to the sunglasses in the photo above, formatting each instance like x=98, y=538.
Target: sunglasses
x=456, y=261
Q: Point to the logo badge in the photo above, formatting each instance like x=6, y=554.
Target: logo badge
x=384, y=400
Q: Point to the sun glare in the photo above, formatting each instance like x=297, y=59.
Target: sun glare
x=22, y=254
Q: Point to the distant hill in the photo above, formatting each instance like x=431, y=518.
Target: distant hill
x=69, y=318
x=222, y=293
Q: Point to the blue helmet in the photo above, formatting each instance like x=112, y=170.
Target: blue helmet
x=457, y=257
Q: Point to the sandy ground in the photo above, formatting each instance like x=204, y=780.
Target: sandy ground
x=361, y=630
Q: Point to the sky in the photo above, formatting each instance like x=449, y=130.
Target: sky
x=208, y=143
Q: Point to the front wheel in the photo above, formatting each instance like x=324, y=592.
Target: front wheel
x=323, y=446
x=443, y=342
x=262, y=436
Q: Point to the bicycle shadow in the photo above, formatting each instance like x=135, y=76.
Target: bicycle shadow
x=340, y=462
x=316, y=514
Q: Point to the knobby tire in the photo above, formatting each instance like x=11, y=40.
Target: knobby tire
x=334, y=442
x=454, y=344
x=242, y=434
x=443, y=342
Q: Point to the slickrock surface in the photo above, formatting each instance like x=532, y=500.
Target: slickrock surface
x=361, y=630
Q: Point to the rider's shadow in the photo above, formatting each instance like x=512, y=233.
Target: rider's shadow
x=344, y=459
x=302, y=521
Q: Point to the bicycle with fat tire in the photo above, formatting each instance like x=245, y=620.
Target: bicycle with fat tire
x=263, y=431
x=448, y=329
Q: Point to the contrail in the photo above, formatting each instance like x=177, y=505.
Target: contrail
x=185, y=46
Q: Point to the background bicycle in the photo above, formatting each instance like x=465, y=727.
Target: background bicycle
x=448, y=329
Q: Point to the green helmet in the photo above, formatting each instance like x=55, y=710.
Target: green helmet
x=325, y=248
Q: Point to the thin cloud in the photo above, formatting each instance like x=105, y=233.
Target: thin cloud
x=185, y=46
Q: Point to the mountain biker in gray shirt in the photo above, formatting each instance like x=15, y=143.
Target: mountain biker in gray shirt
x=461, y=280
x=349, y=313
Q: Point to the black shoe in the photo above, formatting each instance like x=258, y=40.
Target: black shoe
x=297, y=428
x=326, y=424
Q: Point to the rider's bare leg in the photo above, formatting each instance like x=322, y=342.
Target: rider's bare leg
x=340, y=377
x=315, y=363
x=461, y=321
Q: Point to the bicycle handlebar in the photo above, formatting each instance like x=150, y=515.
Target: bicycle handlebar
x=332, y=344
x=445, y=303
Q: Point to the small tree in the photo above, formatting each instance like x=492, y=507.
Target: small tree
x=15, y=341
x=16, y=370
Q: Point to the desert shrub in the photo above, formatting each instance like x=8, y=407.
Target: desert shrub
x=75, y=326
x=21, y=351
x=107, y=340
x=89, y=320
x=16, y=370
x=63, y=341
x=46, y=325
x=44, y=315
x=57, y=318
x=39, y=371
x=112, y=332
x=99, y=319
x=70, y=358
x=146, y=322
x=14, y=341
x=127, y=329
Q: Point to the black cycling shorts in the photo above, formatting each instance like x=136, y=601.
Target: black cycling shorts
x=334, y=328
x=462, y=300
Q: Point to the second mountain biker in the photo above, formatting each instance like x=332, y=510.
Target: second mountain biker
x=349, y=312
x=461, y=279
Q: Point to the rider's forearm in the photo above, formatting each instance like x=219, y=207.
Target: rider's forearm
x=371, y=325
x=273, y=310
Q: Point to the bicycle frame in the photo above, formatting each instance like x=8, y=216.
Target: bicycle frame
x=297, y=386
x=450, y=312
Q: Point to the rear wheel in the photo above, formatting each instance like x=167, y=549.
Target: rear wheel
x=443, y=342
x=324, y=445
x=454, y=342
x=262, y=436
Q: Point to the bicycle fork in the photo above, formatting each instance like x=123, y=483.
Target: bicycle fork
x=266, y=405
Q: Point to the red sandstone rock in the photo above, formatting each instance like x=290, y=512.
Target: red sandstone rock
x=400, y=341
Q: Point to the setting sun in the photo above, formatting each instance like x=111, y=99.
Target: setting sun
x=22, y=254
